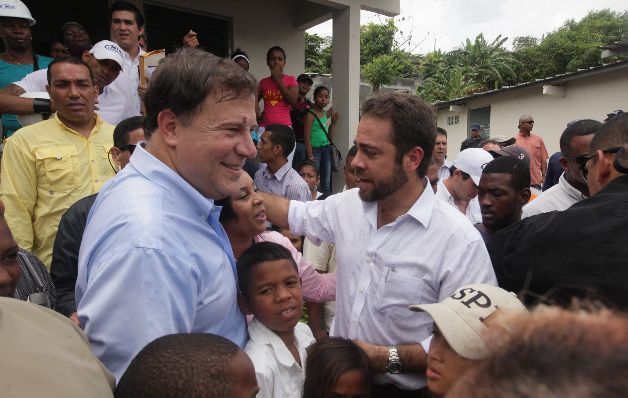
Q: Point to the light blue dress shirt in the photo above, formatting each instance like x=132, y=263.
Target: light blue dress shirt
x=154, y=260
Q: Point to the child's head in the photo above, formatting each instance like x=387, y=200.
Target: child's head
x=276, y=56
x=321, y=96
x=270, y=287
x=336, y=367
x=309, y=172
x=189, y=365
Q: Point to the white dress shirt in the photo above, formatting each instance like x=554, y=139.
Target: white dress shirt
x=559, y=197
x=421, y=257
x=122, y=100
x=278, y=374
x=473, y=213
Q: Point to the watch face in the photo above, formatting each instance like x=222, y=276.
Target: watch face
x=394, y=367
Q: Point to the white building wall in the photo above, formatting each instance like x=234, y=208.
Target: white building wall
x=589, y=97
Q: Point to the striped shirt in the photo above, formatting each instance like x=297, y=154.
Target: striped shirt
x=286, y=182
x=421, y=257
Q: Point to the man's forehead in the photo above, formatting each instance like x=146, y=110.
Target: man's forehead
x=68, y=71
x=493, y=180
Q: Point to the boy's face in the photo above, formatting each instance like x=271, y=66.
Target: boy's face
x=274, y=295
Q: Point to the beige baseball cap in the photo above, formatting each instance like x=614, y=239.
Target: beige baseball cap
x=462, y=317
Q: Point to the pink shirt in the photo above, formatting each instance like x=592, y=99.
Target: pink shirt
x=538, y=154
x=316, y=287
x=276, y=109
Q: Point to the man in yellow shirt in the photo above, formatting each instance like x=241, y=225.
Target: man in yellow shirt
x=48, y=166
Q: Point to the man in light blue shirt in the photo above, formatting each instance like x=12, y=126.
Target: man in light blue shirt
x=154, y=259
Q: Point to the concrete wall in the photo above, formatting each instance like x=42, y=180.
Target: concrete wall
x=589, y=97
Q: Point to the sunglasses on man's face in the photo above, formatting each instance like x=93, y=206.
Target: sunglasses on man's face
x=583, y=160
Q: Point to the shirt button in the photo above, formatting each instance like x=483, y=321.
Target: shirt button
x=59, y=157
x=52, y=193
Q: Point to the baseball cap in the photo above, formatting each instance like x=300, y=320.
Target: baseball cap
x=305, y=78
x=462, y=317
x=106, y=49
x=475, y=126
x=472, y=161
x=514, y=151
x=503, y=140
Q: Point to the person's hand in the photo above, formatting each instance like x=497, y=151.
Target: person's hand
x=191, y=39
x=276, y=72
x=75, y=319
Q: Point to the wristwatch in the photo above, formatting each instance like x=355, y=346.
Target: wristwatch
x=394, y=363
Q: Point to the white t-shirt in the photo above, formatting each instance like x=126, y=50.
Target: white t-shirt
x=278, y=374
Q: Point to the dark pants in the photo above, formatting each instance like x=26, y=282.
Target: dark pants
x=392, y=391
x=322, y=158
x=299, y=155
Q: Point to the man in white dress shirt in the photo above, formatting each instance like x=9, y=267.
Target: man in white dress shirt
x=571, y=187
x=460, y=190
x=395, y=242
x=440, y=153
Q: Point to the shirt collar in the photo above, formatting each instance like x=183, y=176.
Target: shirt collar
x=157, y=172
x=280, y=174
x=263, y=335
x=421, y=210
x=96, y=127
x=570, y=189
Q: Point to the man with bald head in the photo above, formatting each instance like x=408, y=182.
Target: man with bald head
x=536, y=148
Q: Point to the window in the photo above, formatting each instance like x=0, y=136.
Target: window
x=483, y=117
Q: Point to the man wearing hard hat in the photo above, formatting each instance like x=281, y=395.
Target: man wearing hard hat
x=18, y=59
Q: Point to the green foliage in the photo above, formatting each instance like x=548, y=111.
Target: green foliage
x=450, y=82
x=317, y=54
x=382, y=70
x=376, y=40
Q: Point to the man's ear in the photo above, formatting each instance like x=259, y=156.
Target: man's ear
x=168, y=123
x=524, y=196
x=115, y=155
x=563, y=163
x=277, y=150
x=243, y=304
x=413, y=158
x=604, y=168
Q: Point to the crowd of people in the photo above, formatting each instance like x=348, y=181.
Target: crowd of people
x=180, y=237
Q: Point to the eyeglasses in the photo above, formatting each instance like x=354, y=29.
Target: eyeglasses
x=586, y=158
x=127, y=147
x=530, y=122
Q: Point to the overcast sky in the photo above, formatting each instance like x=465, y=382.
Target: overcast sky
x=445, y=24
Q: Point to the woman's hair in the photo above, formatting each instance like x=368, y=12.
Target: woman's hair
x=273, y=49
x=319, y=89
x=227, y=214
x=327, y=360
x=311, y=164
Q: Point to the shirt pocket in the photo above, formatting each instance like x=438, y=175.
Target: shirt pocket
x=56, y=167
x=397, y=290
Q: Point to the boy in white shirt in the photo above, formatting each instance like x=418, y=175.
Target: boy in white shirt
x=270, y=289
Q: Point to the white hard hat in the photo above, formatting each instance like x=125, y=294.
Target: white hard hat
x=27, y=120
x=15, y=9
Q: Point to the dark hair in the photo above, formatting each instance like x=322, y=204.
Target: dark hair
x=327, y=360
x=576, y=129
x=282, y=135
x=465, y=176
x=181, y=365
x=412, y=120
x=122, y=5
x=352, y=151
x=255, y=255
x=122, y=130
x=441, y=131
x=516, y=167
x=227, y=214
x=273, y=49
x=184, y=79
x=68, y=60
x=490, y=141
x=319, y=89
x=613, y=133
x=552, y=353
x=309, y=163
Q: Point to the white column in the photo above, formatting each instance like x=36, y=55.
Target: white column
x=346, y=80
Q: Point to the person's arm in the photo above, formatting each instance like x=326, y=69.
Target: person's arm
x=314, y=319
x=18, y=189
x=332, y=125
x=132, y=298
x=412, y=357
x=307, y=135
x=544, y=156
x=276, y=209
x=11, y=103
x=290, y=94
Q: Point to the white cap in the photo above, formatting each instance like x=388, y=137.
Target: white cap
x=463, y=320
x=472, y=162
x=107, y=50
x=15, y=9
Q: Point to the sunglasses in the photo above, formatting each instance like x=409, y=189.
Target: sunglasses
x=583, y=160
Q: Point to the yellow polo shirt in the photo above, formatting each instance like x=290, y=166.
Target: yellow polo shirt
x=47, y=167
